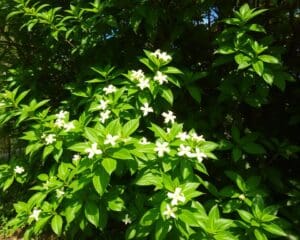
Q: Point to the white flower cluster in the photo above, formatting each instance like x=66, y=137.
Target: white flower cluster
x=61, y=121
x=49, y=139
x=160, y=78
x=142, y=81
x=93, y=150
x=162, y=56
x=103, y=105
x=35, y=214
x=19, y=170
x=109, y=89
x=175, y=197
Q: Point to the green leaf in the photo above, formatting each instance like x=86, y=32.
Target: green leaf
x=148, y=178
x=8, y=183
x=242, y=60
x=274, y=229
x=150, y=217
x=268, y=76
x=253, y=148
x=130, y=127
x=47, y=150
x=195, y=92
x=121, y=153
x=268, y=59
x=161, y=229
x=259, y=235
x=91, y=134
x=56, y=224
x=258, y=67
x=91, y=212
x=159, y=132
x=100, y=180
x=236, y=154
x=170, y=70
x=72, y=210
x=246, y=216
x=256, y=28
x=109, y=165
x=79, y=147
x=168, y=95
x=225, y=49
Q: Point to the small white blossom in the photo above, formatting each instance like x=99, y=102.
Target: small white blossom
x=110, y=89
x=176, y=196
x=69, y=126
x=168, y=130
x=59, y=193
x=93, y=150
x=184, y=151
x=146, y=109
x=19, y=170
x=50, y=138
x=162, y=148
x=137, y=75
x=76, y=158
x=61, y=115
x=199, y=155
x=126, y=219
x=143, y=83
x=144, y=141
x=183, y=136
x=104, y=116
x=169, y=212
x=35, y=214
x=160, y=78
x=197, y=138
x=169, y=117
x=163, y=56
x=103, y=104
x=59, y=122
x=110, y=139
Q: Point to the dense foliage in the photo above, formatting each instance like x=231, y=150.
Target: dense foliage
x=103, y=135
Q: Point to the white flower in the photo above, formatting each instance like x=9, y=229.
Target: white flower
x=169, y=117
x=176, y=196
x=76, y=158
x=19, y=169
x=103, y=104
x=199, y=155
x=110, y=139
x=144, y=141
x=160, y=78
x=197, y=138
x=162, y=148
x=61, y=115
x=184, y=150
x=126, y=219
x=110, y=89
x=35, y=214
x=93, y=150
x=183, y=136
x=59, y=122
x=143, y=83
x=169, y=212
x=50, y=138
x=59, y=193
x=146, y=109
x=163, y=56
x=104, y=116
x=138, y=75
x=69, y=126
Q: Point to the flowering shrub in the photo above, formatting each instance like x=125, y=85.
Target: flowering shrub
x=113, y=160
x=124, y=159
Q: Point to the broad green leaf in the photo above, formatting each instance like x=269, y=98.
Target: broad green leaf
x=246, y=216
x=253, y=148
x=158, y=131
x=242, y=60
x=130, y=127
x=274, y=229
x=91, y=134
x=161, y=229
x=79, y=147
x=260, y=235
x=109, y=165
x=195, y=92
x=56, y=224
x=170, y=70
x=100, y=180
x=258, y=67
x=91, y=212
x=268, y=59
x=150, y=217
x=225, y=49
x=168, y=95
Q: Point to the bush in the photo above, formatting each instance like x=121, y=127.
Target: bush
x=104, y=154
